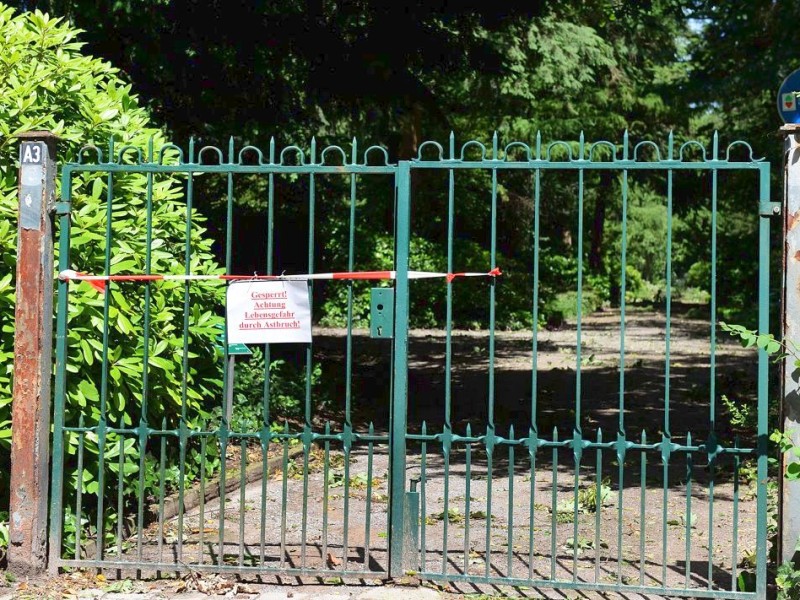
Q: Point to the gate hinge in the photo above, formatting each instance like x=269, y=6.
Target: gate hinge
x=63, y=208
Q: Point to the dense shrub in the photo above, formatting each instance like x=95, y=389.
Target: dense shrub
x=49, y=84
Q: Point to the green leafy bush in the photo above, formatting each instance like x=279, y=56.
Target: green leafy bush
x=287, y=388
x=48, y=84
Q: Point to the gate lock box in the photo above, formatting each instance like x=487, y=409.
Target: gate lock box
x=381, y=313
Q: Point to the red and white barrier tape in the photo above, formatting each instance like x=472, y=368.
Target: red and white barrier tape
x=99, y=281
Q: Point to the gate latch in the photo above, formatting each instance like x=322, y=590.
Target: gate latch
x=381, y=314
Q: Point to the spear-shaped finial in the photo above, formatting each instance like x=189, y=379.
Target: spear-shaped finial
x=716, y=145
x=625, y=145
x=538, y=144
x=671, y=145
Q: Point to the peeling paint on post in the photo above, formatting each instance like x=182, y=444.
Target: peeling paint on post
x=30, y=441
x=790, y=490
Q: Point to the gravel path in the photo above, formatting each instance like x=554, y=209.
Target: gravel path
x=488, y=522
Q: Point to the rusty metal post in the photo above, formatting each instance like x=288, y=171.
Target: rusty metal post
x=790, y=490
x=33, y=327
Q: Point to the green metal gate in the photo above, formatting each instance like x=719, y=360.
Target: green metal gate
x=423, y=460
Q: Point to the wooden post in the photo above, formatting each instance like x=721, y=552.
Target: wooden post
x=33, y=336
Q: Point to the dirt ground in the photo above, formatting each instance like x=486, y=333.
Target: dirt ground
x=500, y=515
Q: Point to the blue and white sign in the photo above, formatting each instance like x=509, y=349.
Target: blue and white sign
x=787, y=98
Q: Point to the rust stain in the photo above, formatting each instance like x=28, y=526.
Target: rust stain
x=797, y=256
x=792, y=220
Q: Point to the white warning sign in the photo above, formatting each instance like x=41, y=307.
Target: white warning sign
x=268, y=312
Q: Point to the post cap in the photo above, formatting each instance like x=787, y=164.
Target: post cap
x=38, y=135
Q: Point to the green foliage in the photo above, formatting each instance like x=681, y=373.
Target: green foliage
x=287, y=389
x=787, y=580
x=49, y=84
x=788, y=446
x=740, y=415
x=591, y=498
x=4, y=538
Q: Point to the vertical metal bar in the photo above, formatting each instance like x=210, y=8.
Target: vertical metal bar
x=309, y=348
x=468, y=499
x=763, y=389
x=535, y=333
x=448, y=358
x=148, y=263
x=712, y=468
x=688, y=519
x=368, y=508
x=666, y=435
x=489, y=484
x=187, y=258
x=202, y=507
x=713, y=366
x=101, y=426
x=79, y=492
x=242, y=496
x=446, y=496
x=621, y=487
x=553, y=507
x=489, y=440
x=400, y=372
x=350, y=267
x=284, y=492
x=310, y=361
x=713, y=285
x=532, y=447
x=347, y=445
x=161, y=490
x=423, y=480
x=448, y=341
x=227, y=372
x=735, y=535
x=534, y=428
x=642, y=521
x=492, y=292
x=264, y=440
x=623, y=288
x=576, y=486
x=598, y=505
x=120, y=479
x=510, y=536
x=222, y=435
x=60, y=381
x=266, y=433
x=143, y=426
x=579, y=316
x=325, y=491
x=621, y=433
x=304, y=516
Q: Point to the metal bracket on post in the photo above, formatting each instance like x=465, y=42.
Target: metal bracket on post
x=790, y=490
x=411, y=532
x=33, y=337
